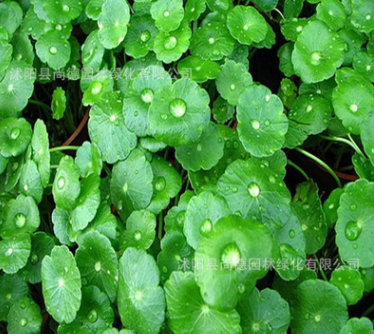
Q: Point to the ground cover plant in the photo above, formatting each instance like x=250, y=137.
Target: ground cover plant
x=187, y=167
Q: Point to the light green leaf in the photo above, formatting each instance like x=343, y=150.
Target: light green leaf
x=61, y=283
x=198, y=69
x=262, y=125
x=30, y=183
x=141, y=302
x=62, y=11
x=58, y=103
x=190, y=314
x=14, y=253
x=358, y=326
x=168, y=14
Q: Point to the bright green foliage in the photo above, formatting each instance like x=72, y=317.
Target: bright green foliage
x=141, y=302
x=224, y=256
x=318, y=52
x=190, y=314
x=179, y=113
x=168, y=14
x=61, y=282
x=312, y=311
x=355, y=325
x=349, y=282
x=246, y=25
x=112, y=23
x=263, y=311
x=58, y=103
x=354, y=226
x=24, y=317
x=201, y=69
x=14, y=253
x=262, y=124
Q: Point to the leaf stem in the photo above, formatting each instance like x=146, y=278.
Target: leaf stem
x=40, y=104
x=280, y=13
x=64, y=148
x=320, y=268
x=368, y=311
x=298, y=168
x=322, y=163
x=350, y=142
x=160, y=225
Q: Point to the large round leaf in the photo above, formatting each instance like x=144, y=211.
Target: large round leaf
x=262, y=125
x=355, y=226
x=312, y=311
x=61, y=282
x=131, y=185
x=141, y=302
x=225, y=260
x=179, y=113
x=318, y=52
x=188, y=313
x=14, y=253
x=168, y=14
x=251, y=188
x=358, y=326
x=108, y=131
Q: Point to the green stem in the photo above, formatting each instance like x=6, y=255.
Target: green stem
x=107, y=170
x=54, y=166
x=280, y=13
x=160, y=225
x=351, y=142
x=320, y=268
x=368, y=311
x=355, y=146
x=322, y=163
x=298, y=168
x=40, y=104
x=64, y=148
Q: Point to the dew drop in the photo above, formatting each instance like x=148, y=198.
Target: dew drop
x=147, y=95
x=98, y=266
x=170, y=43
x=23, y=322
x=65, y=8
x=254, y=189
x=353, y=108
x=61, y=182
x=206, y=227
x=160, y=183
x=92, y=316
x=255, y=124
x=34, y=259
x=137, y=235
x=353, y=230
x=177, y=107
x=145, y=36
x=96, y=88
x=14, y=134
x=19, y=220
x=53, y=50
x=231, y=255
x=291, y=234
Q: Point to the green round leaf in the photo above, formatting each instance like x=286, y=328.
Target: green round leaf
x=291, y=29
x=24, y=317
x=61, y=283
x=30, y=183
x=200, y=70
x=141, y=302
x=6, y=51
x=193, y=9
x=222, y=111
x=41, y=155
x=251, y=188
x=332, y=12
x=131, y=185
x=140, y=36
x=262, y=125
x=312, y=311
x=349, y=282
x=11, y=16
x=175, y=254
x=362, y=15
x=285, y=62
x=204, y=153
x=94, y=316
x=246, y=25
x=168, y=14
x=15, y=136
x=53, y=49
x=14, y=253
x=97, y=262
x=58, y=103
x=354, y=227
x=108, y=131
x=169, y=46
x=203, y=211
x=12, y=287
x=88, y=159
x=140, y=95
x=331, y=206
x=62, y=11
x=318, y=52
x=263, y=312
x=112, y=23
x=223, y=256
x=353, y=101
x=358, y=326
x=308, y=208
x=363, y=63
x=212, y=41
x=66, y=186
x=167, y=183
x=21, y=215
x=312, y=112
x=41, y=245
x=188, y=313
x=92, y=51
x=140, y=230
x=233, y=80
x=179, y=113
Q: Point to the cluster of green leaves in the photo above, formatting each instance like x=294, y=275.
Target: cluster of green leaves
x=153, y=224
